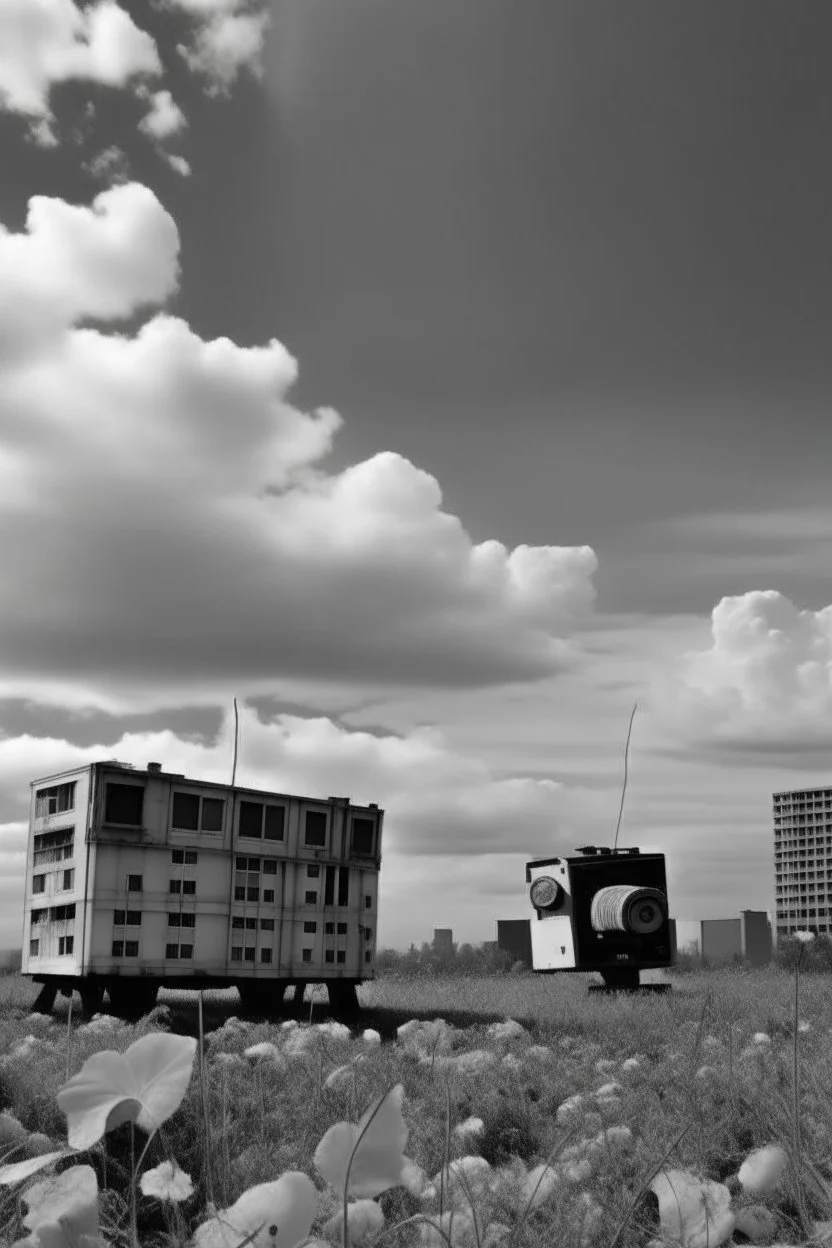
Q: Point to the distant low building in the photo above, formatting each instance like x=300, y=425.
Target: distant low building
x=443, y=939
x=747, y=938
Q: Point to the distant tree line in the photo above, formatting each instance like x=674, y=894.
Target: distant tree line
x=454, y=959
x=816, y=957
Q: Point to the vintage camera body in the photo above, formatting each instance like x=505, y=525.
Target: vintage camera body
x=601, y=910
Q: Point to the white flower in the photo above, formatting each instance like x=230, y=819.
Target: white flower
x=475, y=1062
x=578, y=1171
x=167, y=1182
x=364, y=1220
x=804, y=937
x=694, y=1212
x=370, y=1036
x=497, y=1235
x=509, y=1030
x=289, y=1205
x=760, y=1037
x=803, y=1025
x=265, y=1050
x=630, y=1063
x=470, y=1128
x=763, y=1169
x=608, y=1089
x=571, y=1108
x=540, y=1186
x=540, y=1053
x=336, y=1031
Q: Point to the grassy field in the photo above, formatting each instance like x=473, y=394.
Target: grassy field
x=701, y=1076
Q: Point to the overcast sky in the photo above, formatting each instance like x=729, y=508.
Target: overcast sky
x=439, y=380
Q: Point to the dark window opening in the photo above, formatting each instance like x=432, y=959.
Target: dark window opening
x=329, y=929
x=236, y=953
x=268, y=894
x=171, y=951
x=176, y=886
x=341, y=956
x=118, y=918
x=252, y=894
x=133, y=918
x=212, y=812
x=310, y=926
x=118, y=949
x=34, y=945
x=329, y=955
x=342, y=929
x=265, y=955
x=362, y=838
x=191, y=857
x=124, y=804
x=237, y=920
x=39, y=884
x=174, y=920
x=239, y=893
x=134, y=883
x=368, y=903
x=131, y=948
x=368, y=955
x=186, y=951
x=249, y=953
x=275, y=817
x=307, y=955
x=251, y=924
x=186, y=812
x=343, y=886
x=311, y=899
x=189, y=920
x=177, y=855
x=313, y=871
x=267, y=925
x=270, y=866
x=189, y=886
x=329, y=887
x=315, y=834
x=251, y=819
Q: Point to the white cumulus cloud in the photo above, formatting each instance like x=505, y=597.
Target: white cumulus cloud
x=764, y=682
x=165, y=117
x=169, y=528
x=228, y=39
x=44, y=42
x=72, y=263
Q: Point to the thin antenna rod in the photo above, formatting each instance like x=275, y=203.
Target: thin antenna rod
x=624, y=790
x=236, y=728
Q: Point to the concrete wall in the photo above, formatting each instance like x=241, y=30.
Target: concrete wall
x=721, y=938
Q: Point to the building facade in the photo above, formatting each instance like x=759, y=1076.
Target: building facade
x=146, y=873
x=802, y=861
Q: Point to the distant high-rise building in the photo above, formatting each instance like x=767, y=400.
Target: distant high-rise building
x=443, y=939
x=803, y=860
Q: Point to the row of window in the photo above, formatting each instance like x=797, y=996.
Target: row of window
x=66, y=945
x=54, y=914
x=53, y=846
x=66, y=881
x=246, y=953
x=257, y=820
